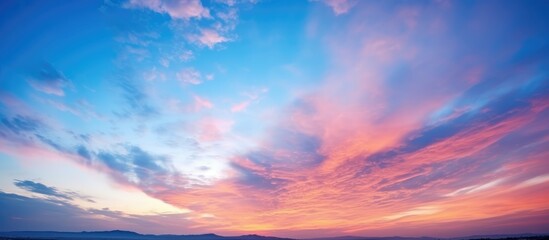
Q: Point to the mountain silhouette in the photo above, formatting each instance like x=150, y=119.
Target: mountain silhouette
x=129, y=235
x=123, y=235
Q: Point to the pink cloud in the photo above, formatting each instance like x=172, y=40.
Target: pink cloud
x=180, y=9
x=208, y=37
x=339, y=6
x=201, y=103
x=239, y=107
x=252, y=97
x=212, y=129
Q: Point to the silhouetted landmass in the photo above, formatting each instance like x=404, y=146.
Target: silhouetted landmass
x=127, y=235
x=121, y=235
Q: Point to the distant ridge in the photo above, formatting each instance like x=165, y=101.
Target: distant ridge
x=127, y=235
x=123, y=235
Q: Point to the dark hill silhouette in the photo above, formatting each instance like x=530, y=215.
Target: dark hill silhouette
x=128, y=235
x=122, y=235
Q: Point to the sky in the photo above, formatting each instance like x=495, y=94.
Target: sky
x=284, y=118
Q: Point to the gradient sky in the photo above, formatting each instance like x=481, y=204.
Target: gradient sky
x=284, y=118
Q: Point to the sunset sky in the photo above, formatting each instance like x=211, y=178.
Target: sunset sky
x=275, y=117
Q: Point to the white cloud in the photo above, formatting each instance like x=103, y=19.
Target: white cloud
x=186, y=55
x=154, y=75
x=535, y=180
x=227, y=2
x=189, y=76
x=475, y=188
x=178, y=9
x=164, y=62
x=425, y=210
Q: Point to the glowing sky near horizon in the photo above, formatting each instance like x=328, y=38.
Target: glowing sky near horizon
x=285, y=118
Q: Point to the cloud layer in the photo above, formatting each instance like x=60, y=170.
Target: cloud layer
x=372, y=118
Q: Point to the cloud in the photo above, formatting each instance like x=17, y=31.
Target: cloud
x=23, y=131
x=83, y=152
x=425, y=210
x=40, y=188
x=186, y=55
x=47, y=79
x=475, y=188
x=136, y=167
x=189, y=76
x=252, y=97
x=239, y=107
x=135, y=97
x=201, y=103
x=379, y=141
x=179, y=9
x=213, y=129
x=359, y=135
x=20, y=124
x=340, y=6
x=22, y=213
x=535, y=180
x=208, y=37
x=154, y=75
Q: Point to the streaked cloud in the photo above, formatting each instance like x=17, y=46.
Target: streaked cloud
x=45, y=78
x=40, y=188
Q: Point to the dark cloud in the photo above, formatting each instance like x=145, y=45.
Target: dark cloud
x=84, y=153
x=138, y=167
x=19, y=124
x=26, y=130
x=50, y=143
x=19, y=129
x=47, y=79
x=135, y=160
x=20, y=213
x=116, y=163
x=40, y=188
x=24, y=213
x=286, y=150
x=257, y=179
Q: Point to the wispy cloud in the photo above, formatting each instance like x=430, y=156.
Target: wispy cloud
x=252, y=97
x=40, y=188
x=339, y=6
x=208, y=37
x=181, y=9
x=189, y=76
x=47, y=79
x=201, y=103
